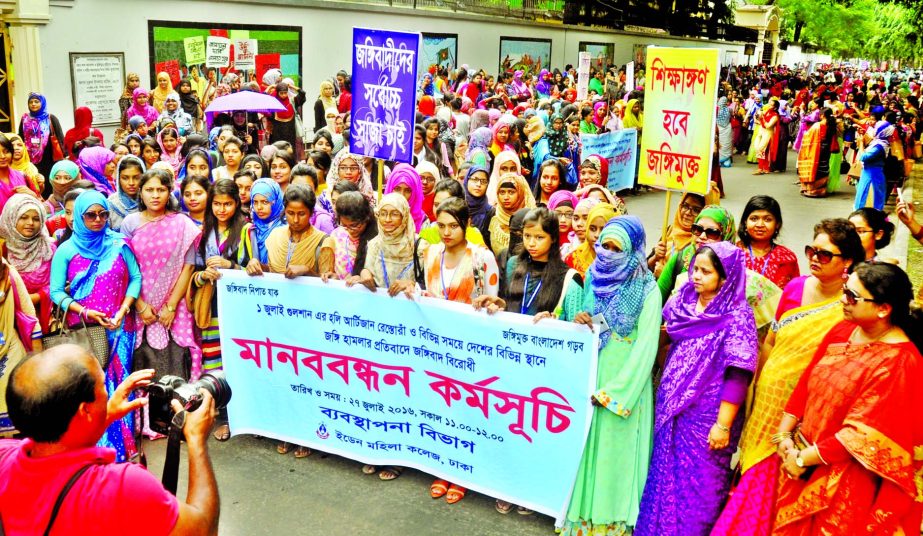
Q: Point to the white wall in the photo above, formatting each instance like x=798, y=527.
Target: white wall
x=121, y=26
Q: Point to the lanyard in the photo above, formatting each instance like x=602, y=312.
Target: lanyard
x=384, y=269
x=291, y=251
x=526, y=303
x=765, y=259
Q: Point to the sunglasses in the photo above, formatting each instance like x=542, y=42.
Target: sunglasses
x=711, y=234
x=95, y=216
x=853, y=297
x=822, y=255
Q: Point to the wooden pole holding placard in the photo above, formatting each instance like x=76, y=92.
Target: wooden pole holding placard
x=666, y=216
x=381, y=174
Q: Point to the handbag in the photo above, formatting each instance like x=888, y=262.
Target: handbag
x=201, y=305
x=93, y=339
x=172, y=360
x=56, y=151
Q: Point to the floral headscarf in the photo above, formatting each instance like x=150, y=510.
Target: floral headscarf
x=494, y=185
x=93, y=162
x=365, y=181
x=25, y=254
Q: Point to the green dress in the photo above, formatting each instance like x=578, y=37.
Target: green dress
x=613, y=469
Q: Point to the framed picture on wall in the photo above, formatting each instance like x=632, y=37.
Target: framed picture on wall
x=437, y=50
x=526, y=54
x=97, y=82
x=207, y=52
x=602, y=55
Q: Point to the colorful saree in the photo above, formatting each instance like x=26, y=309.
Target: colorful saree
x=799, y=331
x=12, y=350
x=161, y=247
x=475, y=275
x=814, y=161
x=858, y=404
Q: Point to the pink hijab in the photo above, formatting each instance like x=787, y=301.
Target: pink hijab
x=406, y=174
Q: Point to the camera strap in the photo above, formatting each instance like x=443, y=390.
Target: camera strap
x=170, y=478
x=63, y=495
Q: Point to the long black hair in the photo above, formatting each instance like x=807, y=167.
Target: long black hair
x=355, y=206
x=877, y=221
x=235, y=225
x=890, y=285
x=551, y=275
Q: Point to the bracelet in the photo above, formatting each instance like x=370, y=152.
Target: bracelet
x=85, y=313
x=146, y=307
x=722, y=427
x=780, y=437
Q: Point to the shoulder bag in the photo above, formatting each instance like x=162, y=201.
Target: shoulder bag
x=173, y=360
x=93, y=339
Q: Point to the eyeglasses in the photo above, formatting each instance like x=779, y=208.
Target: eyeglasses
x=863, y=230
x=96, y=216
x=822, y=255
x=427, y=178
x=693, y=209
x=388, y=216
x=352, y=226
x=349, y=169
x=853, y=297
x=711, y=234
x=479, y=181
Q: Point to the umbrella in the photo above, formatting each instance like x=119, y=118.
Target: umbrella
x=249, y=101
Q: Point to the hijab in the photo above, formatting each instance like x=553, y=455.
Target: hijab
x=25, y=254
x=723, y=218
x=426, y=84
x=600, y=164
x=495, y=146
x=127, y=93
x=189, y=102
x=560, y=197
x=176, y=158
x=678, y=236
x=83, y=127
x=146, y=112
x=271, y=190
x=494, y=185
x=37, y=126
x=478, y=208
x=272, y=77
x=543, y=85
x=365, y=180
x=58, y=190
x=23, y=164
x=632, y=120
x=289, y=112
x=479, y=118
x=479, y=141
x=427, y=106
x=104, y=245
x=724, y=112
x=620, y=280
x=525, y=198
x=600, y=122
x=611, y=198
x=120, y=202
x=93, y=162
x=391, y=253
x=557, y=139
x=682, y=320
x=406, y=174
x=329, y=104
x=425, y=166
x=585, y=253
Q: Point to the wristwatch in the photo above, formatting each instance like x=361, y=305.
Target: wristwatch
x=799, y=461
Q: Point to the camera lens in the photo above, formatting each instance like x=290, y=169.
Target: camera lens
x=216, y=383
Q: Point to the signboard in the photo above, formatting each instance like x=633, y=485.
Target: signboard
x=629, y=79
x=195, y=49
x=97, y=82
x=171, y=67
x=680, y=91
x=620, y=149
x=217, y=51
x=245, y=51
x=384, y=94
x=479, y=400
x=583, y=75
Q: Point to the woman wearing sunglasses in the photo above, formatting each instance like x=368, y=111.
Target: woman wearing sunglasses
x=809, y=308
x=95, y=278
x=713, y=224
x=852, y=406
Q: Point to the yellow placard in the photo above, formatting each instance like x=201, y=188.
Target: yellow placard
x=680, y=90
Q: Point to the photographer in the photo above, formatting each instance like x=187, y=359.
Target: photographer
x=57, y=400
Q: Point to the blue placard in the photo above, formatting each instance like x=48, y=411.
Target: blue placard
x=384, y=94
x=620, y=149
x=482, y=401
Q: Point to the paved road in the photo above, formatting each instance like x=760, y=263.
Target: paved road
x=265, y=493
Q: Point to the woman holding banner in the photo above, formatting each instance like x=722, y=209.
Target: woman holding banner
x=619, y=287
x=711, y=360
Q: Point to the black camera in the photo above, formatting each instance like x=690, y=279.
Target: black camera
x=169, y=388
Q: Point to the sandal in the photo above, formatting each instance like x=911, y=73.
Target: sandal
x=284, y=448
x=390, y=472
x=222, y=433
x=369, y=469
x=302, y=452
x=503, y=507
x=455, y=494
x=523, y=511
x=438, y=488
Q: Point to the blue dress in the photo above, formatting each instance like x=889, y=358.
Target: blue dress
x=871, y=188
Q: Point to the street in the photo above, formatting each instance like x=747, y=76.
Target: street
x=263, y=492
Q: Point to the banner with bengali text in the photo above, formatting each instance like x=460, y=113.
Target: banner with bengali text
x=493, y=403
x=384, y=94
x=680, y=92
x=620, y=149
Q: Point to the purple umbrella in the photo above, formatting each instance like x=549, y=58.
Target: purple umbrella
x=249, y=101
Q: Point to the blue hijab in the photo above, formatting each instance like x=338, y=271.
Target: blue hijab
x=102, y=246
x=269, y=189
x=620, y=280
